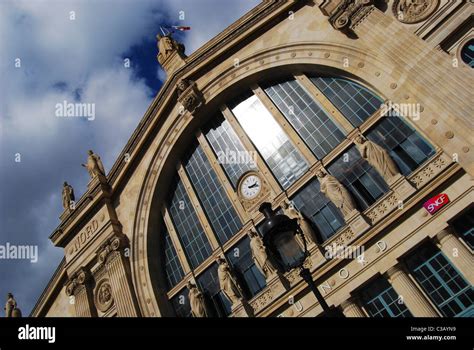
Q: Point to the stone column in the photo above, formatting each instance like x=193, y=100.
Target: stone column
x=414, y=299
x=457, y=253
x=79, y=288
x=351, y=308
x=112, y=255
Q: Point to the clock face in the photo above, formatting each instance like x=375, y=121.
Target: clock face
x=250, y=186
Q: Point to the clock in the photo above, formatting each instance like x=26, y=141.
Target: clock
x=252, y=190
x=250, y=186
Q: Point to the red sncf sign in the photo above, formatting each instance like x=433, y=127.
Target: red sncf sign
x=434, y=204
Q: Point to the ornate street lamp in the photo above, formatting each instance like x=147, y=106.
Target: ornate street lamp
x=279, y=236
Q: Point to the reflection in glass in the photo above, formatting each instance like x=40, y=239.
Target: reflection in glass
x=319, y=209
x=363, y=181
x=282, y=157
x=406, y=147
x=353, y=100
x=308, y=118
x=224, y=141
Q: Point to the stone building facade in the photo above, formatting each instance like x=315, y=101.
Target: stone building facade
x=289, y=90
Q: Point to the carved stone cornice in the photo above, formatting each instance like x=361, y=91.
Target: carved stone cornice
x=115, y=244
x=189, y=95
x=347, y=14
x=78, y=281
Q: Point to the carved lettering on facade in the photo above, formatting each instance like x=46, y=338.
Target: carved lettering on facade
x=83, y=237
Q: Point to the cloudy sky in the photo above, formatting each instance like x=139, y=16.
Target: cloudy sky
x=74, y=51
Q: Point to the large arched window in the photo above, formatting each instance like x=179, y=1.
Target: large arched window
x=285, y=129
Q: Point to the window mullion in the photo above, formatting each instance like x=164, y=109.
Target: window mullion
x=324, y=102
x=285, y=125
x=176, y=242
x=211, y=236
x=222, y=176
x=260, y=163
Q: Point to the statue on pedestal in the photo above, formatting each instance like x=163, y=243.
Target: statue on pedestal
x=94, y=165
x=377, y=157
x=259, y=255
x=11, y=309
x=166, y=46
x=305, y=226
x=68, y=196
x=336, y=193
x=196, y=300
x=228, y=283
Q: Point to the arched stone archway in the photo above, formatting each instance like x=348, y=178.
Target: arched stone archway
x=363, y=67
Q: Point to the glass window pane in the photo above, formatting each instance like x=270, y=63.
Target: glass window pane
x=364, y=183
x=309, y=119
x=173, y=269
x=464, y=226
x=319, y=210
x=446, y=287
x=180, y=304
x=216, y=204
x=230, y=151
x=208, y=282
x=381, y=300
x=406, y=147
x=188, y=227
x=353, y=100
x=240, y=257
x=283, y=158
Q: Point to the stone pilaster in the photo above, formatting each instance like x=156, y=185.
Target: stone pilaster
x=351, y=308
x=78, y=288
x=412, y=296
x=112, y=255
x=457, y=253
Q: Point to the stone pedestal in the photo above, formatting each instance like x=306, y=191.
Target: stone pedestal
x=242, y=309
x=401, y=187
x=357, y=223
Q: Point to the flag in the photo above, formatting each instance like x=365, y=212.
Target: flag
x=181, y=28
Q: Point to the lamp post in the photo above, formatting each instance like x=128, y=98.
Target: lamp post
x=279, y=236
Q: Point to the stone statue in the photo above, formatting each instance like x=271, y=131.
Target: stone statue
x=305, y=226
x=166, y=46
x=10, y=305
x=377, y=157
x=196, y=300
x=94, y=165
x=336, y=193
x=259, y=255
x=228, y=283
x=68, y=196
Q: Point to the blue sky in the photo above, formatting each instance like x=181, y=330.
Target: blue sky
x=77, y=60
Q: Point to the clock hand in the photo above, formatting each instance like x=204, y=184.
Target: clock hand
x=253, y=185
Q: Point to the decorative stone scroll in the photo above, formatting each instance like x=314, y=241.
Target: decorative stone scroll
x=347, y=14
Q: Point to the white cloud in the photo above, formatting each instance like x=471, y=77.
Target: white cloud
x=59, y=57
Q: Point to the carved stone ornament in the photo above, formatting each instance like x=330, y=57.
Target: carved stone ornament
x=113, y=244
x=348, y=14
x=189, y=95
x=103, y=297
x=77, y=280
x=414, y=11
